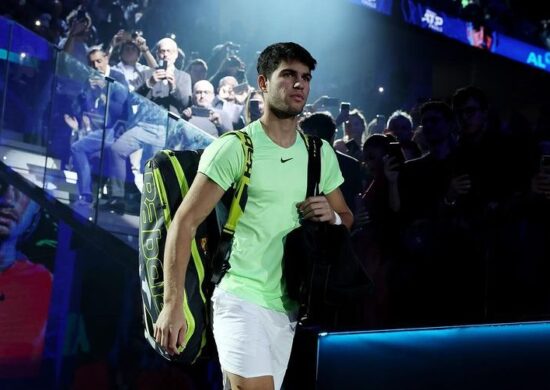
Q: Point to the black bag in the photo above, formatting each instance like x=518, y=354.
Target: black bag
x=166, y=180
x=320, y=268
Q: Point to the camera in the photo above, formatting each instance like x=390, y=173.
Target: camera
x=200, y=111
x=136, y=34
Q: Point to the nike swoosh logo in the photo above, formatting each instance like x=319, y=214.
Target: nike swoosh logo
x=285, y=160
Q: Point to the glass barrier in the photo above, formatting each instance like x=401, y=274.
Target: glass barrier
x=139, y=132
x=27, y=90
x=77, y=119
x=5, y=33
x=182, y=135
x=82, y=137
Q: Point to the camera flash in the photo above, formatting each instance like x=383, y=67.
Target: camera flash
x=37, y=23
x=381, y=89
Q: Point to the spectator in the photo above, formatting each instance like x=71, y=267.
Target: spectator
x=231, y=66
x=225, y=99
x=93, y=102
x=79, y=35
x=253, y=107
x=354, y=128
x=198, y=70
x=202, y=114
x=322, y=125
x=399, y=126
x=169, y=88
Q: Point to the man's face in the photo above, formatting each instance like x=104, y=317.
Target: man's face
x=98, y=61
x=16, y=212
x=130, y=54
x=401, y=128
x=203, y=94
x=435, y=127
x=287, y=89
x=167, y=50
x=471, y=117
x=354, y=127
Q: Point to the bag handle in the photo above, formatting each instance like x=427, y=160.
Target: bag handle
x=313, y=144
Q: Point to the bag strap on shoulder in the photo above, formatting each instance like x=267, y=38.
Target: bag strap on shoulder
x=220, y=261
x=313, y=144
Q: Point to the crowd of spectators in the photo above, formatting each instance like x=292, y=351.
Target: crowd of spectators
x=449, y=201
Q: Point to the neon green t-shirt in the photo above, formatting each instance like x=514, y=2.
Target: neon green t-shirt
x=277, y=183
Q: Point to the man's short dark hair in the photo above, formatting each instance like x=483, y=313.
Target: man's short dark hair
x=198, y=61
x=319, y=124
x=462, y=95
x=439, y=106
x=272, y=56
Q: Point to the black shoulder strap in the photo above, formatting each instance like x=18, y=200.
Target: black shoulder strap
x=313, y=144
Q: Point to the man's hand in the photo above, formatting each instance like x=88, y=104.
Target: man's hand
x=141, y=43
x=120, y=37
x=71, y=121
x=187, y=113
x=170, y=328
x=214, y=117
x=171, y=78
x=97, y=82
x=316, y=208
x=459, y=185
x=157, y=76
x=78, y=27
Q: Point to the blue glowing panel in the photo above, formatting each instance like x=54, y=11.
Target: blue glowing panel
x=465, y=357
x=382, y=6
x=462, y=31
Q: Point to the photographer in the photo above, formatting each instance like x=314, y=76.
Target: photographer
x=165, y=86
x=79, y=34
x=203, y=115
x=129, y=65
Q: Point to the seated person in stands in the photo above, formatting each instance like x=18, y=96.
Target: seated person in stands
x=93, y=101
x=25, y=288
x=203, y=115
x=166, y=86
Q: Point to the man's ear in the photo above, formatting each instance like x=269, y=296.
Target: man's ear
x=262, y=83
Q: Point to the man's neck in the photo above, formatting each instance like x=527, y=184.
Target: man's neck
x=281, y=131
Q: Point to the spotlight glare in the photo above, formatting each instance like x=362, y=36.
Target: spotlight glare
x=381, y=89
x=173, y=36
x=37, y=23
x=23, y=55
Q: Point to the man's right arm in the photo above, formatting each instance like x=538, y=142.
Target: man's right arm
x=202, y=197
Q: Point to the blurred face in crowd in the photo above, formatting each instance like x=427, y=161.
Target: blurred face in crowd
x=16, y=212
x=99, y=61
x=435, y=127
x=167, y=50
x=374, y=158
x=471, y=117
x=225, y=91
x=355, y=126
x=401, y=128
x=129, y=54
x=203, y=93
x=287, y=90
x=256, y=106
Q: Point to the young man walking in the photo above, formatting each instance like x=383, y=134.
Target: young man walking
x=254, y=320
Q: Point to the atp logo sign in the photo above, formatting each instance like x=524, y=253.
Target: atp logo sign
x=433, y=20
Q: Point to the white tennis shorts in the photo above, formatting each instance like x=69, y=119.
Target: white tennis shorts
x=252, y=340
